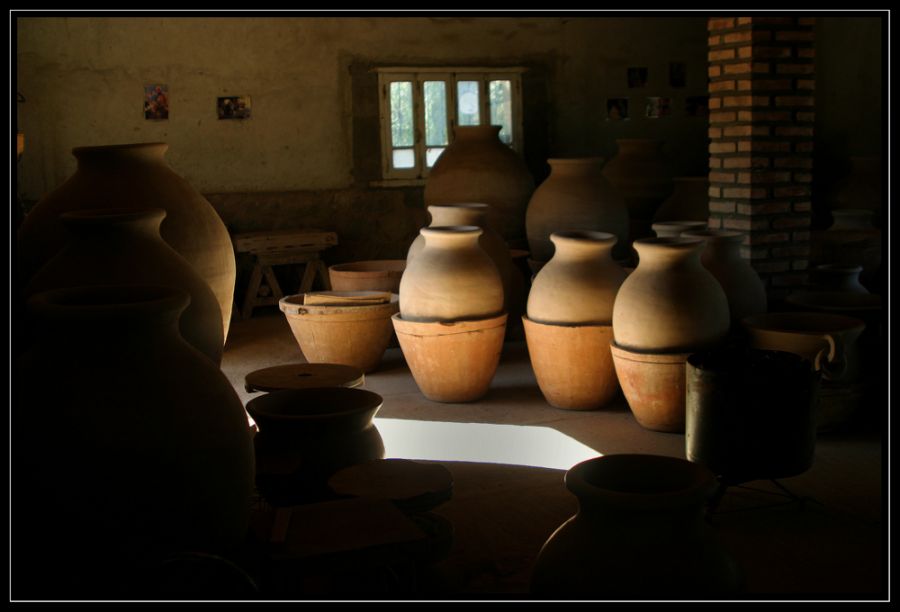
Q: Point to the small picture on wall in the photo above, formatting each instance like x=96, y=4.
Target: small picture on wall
x=637, y=77
x=233, y=107
x=659, y=107
x=677, y=74
x=156, y=102
x=697, y=106
x=616, y=109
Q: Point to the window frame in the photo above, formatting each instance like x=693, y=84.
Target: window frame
x=451, y=75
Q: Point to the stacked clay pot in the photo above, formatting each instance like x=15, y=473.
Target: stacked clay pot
x=689, y=200
x=576, y=196
x=134, y=176
x=451, y=322
x=568, y=327
x=744, y=289
x=668, y=308
x=478, y=167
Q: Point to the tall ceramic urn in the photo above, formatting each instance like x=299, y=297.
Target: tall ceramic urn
x=134, y=176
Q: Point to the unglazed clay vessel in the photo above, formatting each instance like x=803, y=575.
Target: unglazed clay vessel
x=373, y=275
x=829, y=277
x=135, y=176
x=123, y=247
x=476, y=214
x=674, y=229
x=576, y=196
x=144, y=441
x=722, y=257
x=653, y=385
x=670, y=303
x=639, y=533
x=689, y=200
x=478, y=167
x=579, y=284
x=451, y=279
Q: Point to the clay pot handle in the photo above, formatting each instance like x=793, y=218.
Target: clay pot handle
x=833, y=366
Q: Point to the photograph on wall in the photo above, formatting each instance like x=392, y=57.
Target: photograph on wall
x=659, y=107
x=677, y=74
x=156, y=102
x=616, y=109
x=637, y=77
x=697, y=106
x=233, y=107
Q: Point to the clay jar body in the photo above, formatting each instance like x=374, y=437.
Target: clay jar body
x=639, y=532
x=844, y=279
x=580, y=283
x=478, y=167
x=576, y=196
x=129, y=444
x=123, y=246
x=722, y=257
x=670, y=303
x=448, y=215
x=451, y=279
x=135, y=176
x=689, y=200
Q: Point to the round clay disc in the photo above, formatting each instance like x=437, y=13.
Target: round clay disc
x=303, y=376
x=412, y=486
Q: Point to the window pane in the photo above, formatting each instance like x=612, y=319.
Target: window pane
x=404, y=158
x=402, y=120
x=467, y=100
x=432, y=154
x=501, y=108
x=435, y=113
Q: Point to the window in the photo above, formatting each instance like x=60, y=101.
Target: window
x=419, y=107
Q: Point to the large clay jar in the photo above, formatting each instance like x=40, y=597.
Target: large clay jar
x=478, y=167
x=576, y=196
x=579, y=285
x=670, y=303
x=129, y=445
x=722, y=257
x=639, y=533
x=447, y=215
x=123, y=247
x=372, y=275
x=644, y=177
x=451, y=279
x=689, y=200
x=135, y=176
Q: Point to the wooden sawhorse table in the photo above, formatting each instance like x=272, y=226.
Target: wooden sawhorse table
x=277, y=248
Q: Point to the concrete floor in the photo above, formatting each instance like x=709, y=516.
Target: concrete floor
x=832, y=547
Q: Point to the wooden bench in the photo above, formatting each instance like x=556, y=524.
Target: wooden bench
x=278, y=248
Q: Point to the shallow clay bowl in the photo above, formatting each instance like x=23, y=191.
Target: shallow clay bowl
x=315, y=411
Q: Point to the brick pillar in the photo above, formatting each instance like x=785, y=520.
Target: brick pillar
x=761, y=98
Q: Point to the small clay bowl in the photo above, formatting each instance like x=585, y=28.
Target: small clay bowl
x=315, y=411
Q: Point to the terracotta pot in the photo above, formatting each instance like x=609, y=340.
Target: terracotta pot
x=452, y=362
x=375, y=275
x=576, y=196
x=347, y=335
x=828, y=341
x=123, y=246
x=478, y=167
x=674, y=229
x=653, y=385
x=829, y=277
x=641, y=173
x=689, y=200
x=744, y=289
x=447, y=215
x=294, y=413
x=751, y=414
x=135, y=176
x=129, y=444
x=670, y=303
x=451, y=279
x=646, y=515
x=579, y=285
x=572, y=364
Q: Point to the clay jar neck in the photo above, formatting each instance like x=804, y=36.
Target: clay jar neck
x=640, y=147
x=576, y=166
x=582, y=246
x=458, y=214
x=473, y=133
x=456, y=238
x=114, y=222
x=721, y=245
x=120, y=156
x=668, y=253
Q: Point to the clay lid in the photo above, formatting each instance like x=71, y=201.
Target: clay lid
x=304, y=376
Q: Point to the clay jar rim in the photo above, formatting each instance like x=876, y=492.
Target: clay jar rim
x=667, y=245
x=640, y=482
x=472, y=231
x=311, y=408
x=293, y=306
x=807, y=323
x=110, y=302
x=108, y=216
x=585, y=237
x=714, y=235
x=838, y=269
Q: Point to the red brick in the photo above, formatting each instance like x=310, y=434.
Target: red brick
x=715, y=40
x=804, y=116
x=746, y=130
x=806, y=52
x=744, y=21
x=715, y=222
x=764, y=177
x=802, y=206
x=719, y=55
x=715, y=192
x=773, y=21
x=764, y=147
x=744, y=84
x=722, y=147
x=794, y=162
x=747, y=101
x=802, y=177
x=760, y=67
x=721, y=177
x=792, y=35
x=746, y=224
x=792, y=130
x=772, y=84
x=715, y=103
x=739, y=68
x=763, y=208
x=769, y=238
x=806, y=21
x=791, y=222
x=715, y=162
x=721, y=207
x=745, y=162
x=799, y=237
x=714, y=71
x=738, y=37
x=720, y=23
x=714, y=133
x=806, y=84
x=809, y=68
x=795, y=250
x=721, y=86
x=744, y=192
x=728, y=117
x=795, y=101
x=797, y=191
x=803, y=147
x=771, y=52
x=755, y=116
